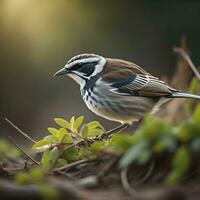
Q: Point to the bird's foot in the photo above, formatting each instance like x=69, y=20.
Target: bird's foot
x=108, y=134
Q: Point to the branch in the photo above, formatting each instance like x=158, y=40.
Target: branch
x=12, y=191
x=147, y=175
x=187, y=58
x=22, y=150
x=73, y=164
x=105, y=169
x=127, y=186
x=20, y=131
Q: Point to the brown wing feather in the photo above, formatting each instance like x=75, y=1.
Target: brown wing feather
x=116, y=65
x=144, y=83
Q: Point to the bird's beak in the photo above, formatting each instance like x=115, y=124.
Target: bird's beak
x=61, y=72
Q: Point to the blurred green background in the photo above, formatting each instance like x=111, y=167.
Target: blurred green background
x=38, y=37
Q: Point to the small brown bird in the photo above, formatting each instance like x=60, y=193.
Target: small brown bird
x=118, y=90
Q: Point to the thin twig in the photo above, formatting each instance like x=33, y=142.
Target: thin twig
x=79, y=143
x=73, y=164
x=87, y=182
x=147, y=175
x=89, y=141
x=22, y=150
x=187, y=58
x=20, y=131
x=107, y=166
x=126, y=185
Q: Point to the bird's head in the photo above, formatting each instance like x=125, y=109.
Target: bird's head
x=83, y=67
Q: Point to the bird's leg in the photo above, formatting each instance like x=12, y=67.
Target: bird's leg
x=135, y=126
x=123, y=128
x=107, y=134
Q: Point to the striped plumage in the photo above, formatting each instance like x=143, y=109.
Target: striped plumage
x=116, y=89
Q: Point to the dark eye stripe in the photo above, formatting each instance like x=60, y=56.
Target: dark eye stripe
x=88, y=68
x=76, y=67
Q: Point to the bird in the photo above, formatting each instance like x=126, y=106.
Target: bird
x=117, y=89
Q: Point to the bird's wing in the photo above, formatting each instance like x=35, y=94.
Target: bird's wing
x=129, y=79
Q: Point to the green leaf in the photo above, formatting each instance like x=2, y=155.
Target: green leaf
x=123, y=142
x=193, y=85
x=196, y=116
x=53, y=131
x=180, y=164
x=72, y=121
x=154, y=128
x=4, y=146
x=173, y=178
x=22, y=178
x=78, y=122
x=181, y=160
x=193, y=88
x=61, y=162
x=144, y=156
x=71, y=154
x=84, y=130
x=85, y=152
x=51, y=138
x=97, y=147
x=37, y=175
x=187, y=130
x=61, y=134
x=45, y=161
x=40, y=143
x=67, y=139
x=54, y=155
x=95, y=131
x=165, y=143
x=94, y=124
x=49, y=158
x=61, y=122
x=14, y=152
x=132, y=154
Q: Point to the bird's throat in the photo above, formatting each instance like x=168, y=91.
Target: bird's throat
x=78, y=79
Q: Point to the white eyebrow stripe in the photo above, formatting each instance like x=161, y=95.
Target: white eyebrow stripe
x=99, y=67
x=82, y=56
x=85, y=60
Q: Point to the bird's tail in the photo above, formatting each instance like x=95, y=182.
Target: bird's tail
x=185, y=95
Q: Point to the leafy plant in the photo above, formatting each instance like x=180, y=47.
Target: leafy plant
x=59, y=146
x=157, y=136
